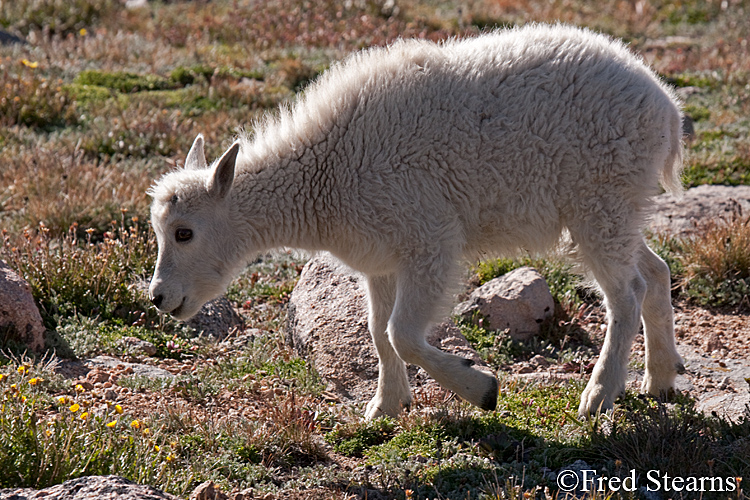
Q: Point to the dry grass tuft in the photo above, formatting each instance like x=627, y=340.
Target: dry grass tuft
x=716, y=263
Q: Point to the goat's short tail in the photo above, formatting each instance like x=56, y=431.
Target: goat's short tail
x=671, y=174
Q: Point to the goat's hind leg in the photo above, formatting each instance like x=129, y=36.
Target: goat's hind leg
x=624, y=289
x=393, y=393
x=663, y=362
x=416, y=304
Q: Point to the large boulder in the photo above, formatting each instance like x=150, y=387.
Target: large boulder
x=217, y=319
x=683, y=216
x=328, y=326
x=20, y=321
x=90, y=488
x=519, y=301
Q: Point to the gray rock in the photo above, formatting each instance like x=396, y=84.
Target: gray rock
x=328, y=326
x=20, y=320
x=136, y=346
x=136, y=4
x=519, y=301
x=10, y=39
x=90, y=488
x=217, y=319
x=138, y=369
x=724, y=374
x=683, y=217
x=207, y=491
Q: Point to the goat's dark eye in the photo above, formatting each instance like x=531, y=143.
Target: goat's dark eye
x=182, y=235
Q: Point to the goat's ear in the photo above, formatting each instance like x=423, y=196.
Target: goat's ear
x=223, y=174
x=196, y=157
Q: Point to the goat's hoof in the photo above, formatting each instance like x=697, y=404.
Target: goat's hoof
x=489, y=402
x=594, y=400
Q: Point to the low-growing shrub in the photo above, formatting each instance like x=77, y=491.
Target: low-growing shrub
x=29, y=98
x=59, y=16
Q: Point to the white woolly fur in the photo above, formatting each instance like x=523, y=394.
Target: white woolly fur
x=406, y=160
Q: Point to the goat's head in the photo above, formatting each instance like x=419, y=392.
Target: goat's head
x=190, y=216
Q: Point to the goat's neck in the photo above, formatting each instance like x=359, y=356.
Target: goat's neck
x=281, y=204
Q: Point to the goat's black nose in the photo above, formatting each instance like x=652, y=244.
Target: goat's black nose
x=157, y=300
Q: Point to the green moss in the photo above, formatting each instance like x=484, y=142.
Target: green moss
x=702, y=80
x=87, y=94
x=728, y=171
x=187, y=75
x=352, y=440
x=540, y=410
x=696, y=112
x=123, y=81
x=692, y=12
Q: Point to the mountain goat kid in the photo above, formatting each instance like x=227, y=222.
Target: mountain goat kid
x=404, y=161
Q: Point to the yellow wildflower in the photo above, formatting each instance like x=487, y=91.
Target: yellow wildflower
x=146, y=431
x=29, y=64
x=75, y=407
x=118, y=409
x=112, y=424
x=83, y=32
x=79, y=388
x=156, y=447
x=2, y=376
x=135, y=424
x=33, y=381
x=62, y=400
x=170, y=457
x=84, y=415
x=22, y=369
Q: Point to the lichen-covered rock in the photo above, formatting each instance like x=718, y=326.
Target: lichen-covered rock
x=20, y=320
x=328, y=326
x=90, y=488
x=216, y=319
x=519, y=301
x=208, y=491
x=684, y=216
